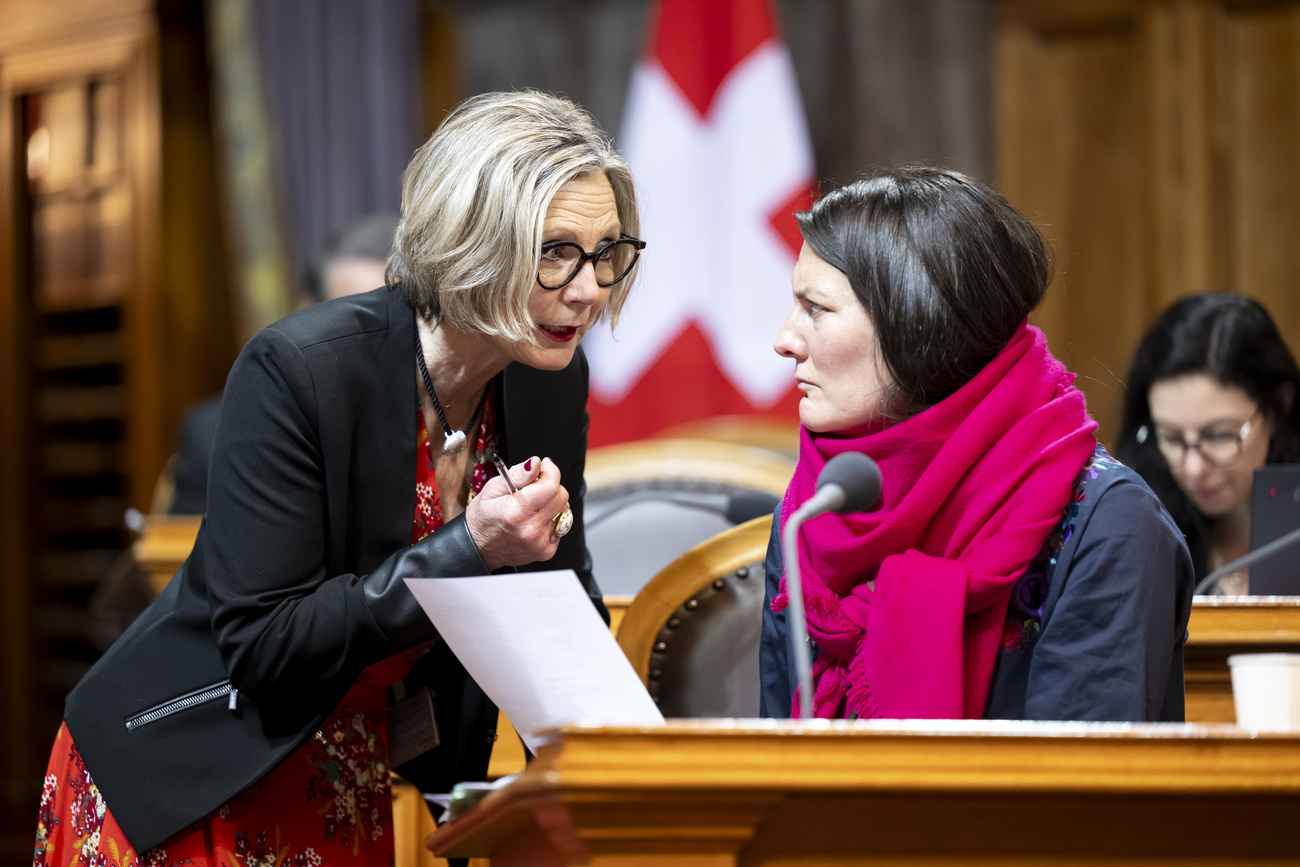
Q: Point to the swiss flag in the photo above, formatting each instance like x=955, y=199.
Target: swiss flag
x=716, y=138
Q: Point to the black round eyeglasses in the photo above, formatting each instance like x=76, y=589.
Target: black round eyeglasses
x=562, y=260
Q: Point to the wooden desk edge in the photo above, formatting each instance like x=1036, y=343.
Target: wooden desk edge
x=697, y=763
x=525, y=806
x=1244, y=620
x=927, y=755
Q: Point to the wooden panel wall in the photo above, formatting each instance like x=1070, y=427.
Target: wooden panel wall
x=114, y=315
x=14, y=667
x=72, y=202
x=1156, y=143
x=196, y=314
x=1261, y=58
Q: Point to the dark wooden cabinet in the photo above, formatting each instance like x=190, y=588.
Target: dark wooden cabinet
x=114, y=316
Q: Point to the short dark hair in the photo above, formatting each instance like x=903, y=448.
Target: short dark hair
x=945, y=267
x=370, y=237
x=1232, y=339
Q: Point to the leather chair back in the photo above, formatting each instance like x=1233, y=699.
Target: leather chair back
x=692, y=632
x=648, y=502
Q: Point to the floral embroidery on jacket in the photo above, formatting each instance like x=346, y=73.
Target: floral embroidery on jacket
x=1029, y=594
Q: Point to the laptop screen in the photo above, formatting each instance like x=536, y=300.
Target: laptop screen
x=1274, y=512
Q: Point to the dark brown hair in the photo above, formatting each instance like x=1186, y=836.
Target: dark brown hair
x=944, y=266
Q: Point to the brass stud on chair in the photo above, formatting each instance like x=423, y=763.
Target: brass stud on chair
x=669, y=680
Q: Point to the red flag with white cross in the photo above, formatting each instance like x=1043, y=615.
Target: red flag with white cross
x=716, y=137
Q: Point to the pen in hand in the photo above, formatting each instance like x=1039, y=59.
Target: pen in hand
x=505, y=473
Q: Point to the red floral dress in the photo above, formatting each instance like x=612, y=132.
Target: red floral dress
x=340, y=808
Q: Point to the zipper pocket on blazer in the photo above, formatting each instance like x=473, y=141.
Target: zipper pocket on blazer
x=199, y=696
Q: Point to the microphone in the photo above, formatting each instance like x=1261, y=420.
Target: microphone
x=1242, y=562
x=744, y=506
x=849, y=483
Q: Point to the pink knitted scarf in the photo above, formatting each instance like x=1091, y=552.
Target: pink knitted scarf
x=906, y=602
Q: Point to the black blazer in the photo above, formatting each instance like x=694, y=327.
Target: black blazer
x=295, y=582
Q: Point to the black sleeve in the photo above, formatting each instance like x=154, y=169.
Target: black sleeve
x=578, y=542
x=193, y=450
x=292, y=635
x=775, y=692
x=1111, y=648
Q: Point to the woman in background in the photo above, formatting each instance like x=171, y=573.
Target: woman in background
x=244, y=718
x=1011, y=569
x=1211, y=397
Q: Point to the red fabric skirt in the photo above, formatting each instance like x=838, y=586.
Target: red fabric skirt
x=328, y=803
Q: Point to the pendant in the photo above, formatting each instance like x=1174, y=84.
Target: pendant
x=455, y=443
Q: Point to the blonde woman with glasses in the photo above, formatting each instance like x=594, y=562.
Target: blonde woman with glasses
x=1212, y=396
x=252, y=713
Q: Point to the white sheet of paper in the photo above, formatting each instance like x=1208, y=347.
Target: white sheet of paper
x=537, y=647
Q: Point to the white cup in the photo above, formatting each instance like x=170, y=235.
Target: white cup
x=1266, y=690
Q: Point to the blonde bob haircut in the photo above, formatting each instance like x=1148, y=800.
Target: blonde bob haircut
x=474, y=201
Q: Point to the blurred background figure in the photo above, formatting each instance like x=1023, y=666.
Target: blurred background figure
x=352, y=261
x=1212, y=397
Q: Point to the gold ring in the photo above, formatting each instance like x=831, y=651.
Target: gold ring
x=563, y=522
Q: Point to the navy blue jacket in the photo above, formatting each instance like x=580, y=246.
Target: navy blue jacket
x=1095, y=628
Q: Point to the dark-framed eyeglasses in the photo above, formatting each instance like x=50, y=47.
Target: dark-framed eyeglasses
x=562, y=260
x=1217, y=445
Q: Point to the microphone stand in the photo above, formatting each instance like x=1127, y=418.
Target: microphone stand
x=798, y=628
x=850, y=482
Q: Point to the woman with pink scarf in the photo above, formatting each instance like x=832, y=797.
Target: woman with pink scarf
x=1011, y=568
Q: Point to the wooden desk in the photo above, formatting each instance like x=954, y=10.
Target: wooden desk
x=721, y=793
x=1223, y=625
x=163, y=546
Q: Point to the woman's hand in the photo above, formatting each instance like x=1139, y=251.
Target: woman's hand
x=514, y=529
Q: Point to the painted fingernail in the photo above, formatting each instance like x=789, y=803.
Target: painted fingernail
x=528, y=465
